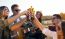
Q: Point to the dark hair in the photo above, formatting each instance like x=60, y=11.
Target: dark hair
x=40, y=19
x=1, y=10
x=13, y=6
x=57, y=15
x=63, y=28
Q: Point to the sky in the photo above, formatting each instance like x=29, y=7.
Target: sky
x=47, y=7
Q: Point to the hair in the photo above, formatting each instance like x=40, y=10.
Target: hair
x=57, y=15
x=1, y=10
x=13, y=6
x=63, y=28
x=62, y=24
x=40, y=19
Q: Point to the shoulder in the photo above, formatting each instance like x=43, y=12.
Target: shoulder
x=1, y=22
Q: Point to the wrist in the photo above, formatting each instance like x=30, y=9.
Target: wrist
x=34, y=19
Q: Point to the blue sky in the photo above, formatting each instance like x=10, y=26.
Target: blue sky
x=47, y=7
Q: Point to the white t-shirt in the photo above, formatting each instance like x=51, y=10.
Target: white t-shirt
x=49, y=33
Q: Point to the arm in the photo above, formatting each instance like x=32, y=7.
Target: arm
x=59, y=31
x=10, y=20
x=18, y=25
x=38, y=24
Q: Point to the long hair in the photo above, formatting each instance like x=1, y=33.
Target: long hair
x=40, y=19
x=1, y=10
x=63, y=29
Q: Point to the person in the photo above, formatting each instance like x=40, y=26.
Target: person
x=5, y=16
x=38, y=34
x=39, y=16
x=16, y=34
x=4, y=22
x=32, y=32
x=58, y=34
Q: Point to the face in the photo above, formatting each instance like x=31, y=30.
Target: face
x=16, y=10
x=55, y=20
x=5, y=12
x=38, y=15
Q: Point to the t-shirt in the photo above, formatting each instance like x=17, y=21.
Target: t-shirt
x=50, y=33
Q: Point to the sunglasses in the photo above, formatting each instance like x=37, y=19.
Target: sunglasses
x=7, y=10
x=17, y=10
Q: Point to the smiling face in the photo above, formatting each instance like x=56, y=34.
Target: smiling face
x=55, y=20
x=5, y=12
x=38, y=15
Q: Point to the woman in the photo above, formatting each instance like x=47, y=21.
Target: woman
x=39, y=16
x=38, y=34
x=4, y=16
x=4, y=22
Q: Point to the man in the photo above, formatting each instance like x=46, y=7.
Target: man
x=5, y=22
x=56, y=19
x=15, y=9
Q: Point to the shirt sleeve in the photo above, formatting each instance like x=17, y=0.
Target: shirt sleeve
x=50, y=33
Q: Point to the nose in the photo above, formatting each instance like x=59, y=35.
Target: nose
x=7, y=13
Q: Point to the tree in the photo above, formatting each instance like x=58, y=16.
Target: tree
x=62, y=15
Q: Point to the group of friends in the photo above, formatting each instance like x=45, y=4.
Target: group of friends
x=14, y=27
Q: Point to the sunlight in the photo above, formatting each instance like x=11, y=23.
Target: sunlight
x=47, y=7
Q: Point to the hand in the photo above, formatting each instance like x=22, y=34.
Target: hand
x=58, y=26
x=30, y=17
x=24, y=13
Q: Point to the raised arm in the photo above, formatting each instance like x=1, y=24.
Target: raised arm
x=44, y=30
x=18, y=25
x=59, y=30
x=38, y=24
x=10, y=20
